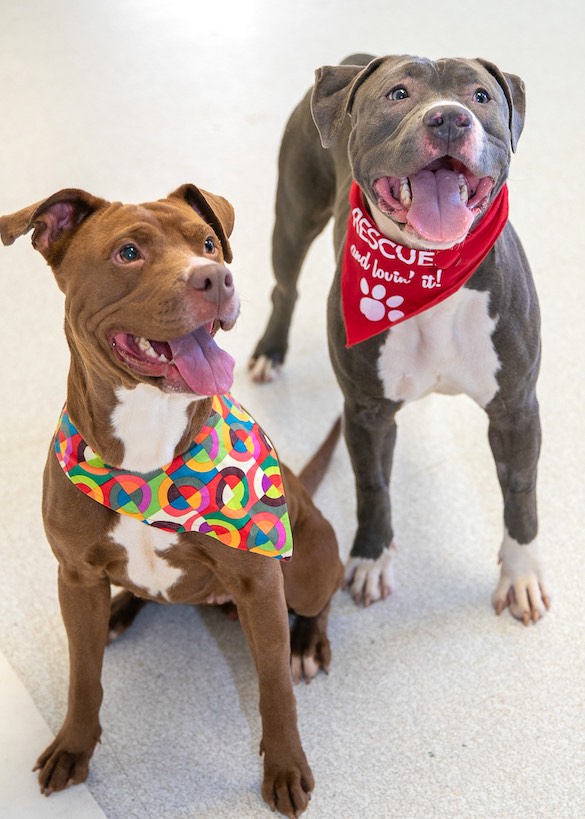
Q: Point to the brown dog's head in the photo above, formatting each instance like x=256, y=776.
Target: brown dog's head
x=430, y=142
x=146, y=286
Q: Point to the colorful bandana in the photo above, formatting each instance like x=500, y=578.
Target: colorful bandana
x=227, y=485
x=383, y=283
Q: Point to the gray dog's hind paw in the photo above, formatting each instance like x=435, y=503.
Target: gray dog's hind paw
x=264, y=369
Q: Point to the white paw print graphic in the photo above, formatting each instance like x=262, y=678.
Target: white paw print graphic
x=372, y=305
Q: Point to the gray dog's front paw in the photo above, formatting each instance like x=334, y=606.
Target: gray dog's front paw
x=370, y=580
x=521, y=586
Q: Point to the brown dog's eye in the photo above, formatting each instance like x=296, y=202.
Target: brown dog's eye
x=209, y=245
x=481, y=96
x=129, y=253
x=398, y=93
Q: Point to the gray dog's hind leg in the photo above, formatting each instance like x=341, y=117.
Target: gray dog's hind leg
x=304, y=201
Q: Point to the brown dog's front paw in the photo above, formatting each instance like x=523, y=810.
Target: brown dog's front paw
x=370, y=580
x=58, y=768
x=288, y=790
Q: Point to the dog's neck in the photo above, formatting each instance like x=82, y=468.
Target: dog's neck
x=137, y=428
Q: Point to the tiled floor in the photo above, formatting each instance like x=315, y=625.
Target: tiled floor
x=434, y=707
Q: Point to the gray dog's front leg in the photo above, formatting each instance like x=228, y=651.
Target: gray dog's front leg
x=370, y=433
x=515, y=442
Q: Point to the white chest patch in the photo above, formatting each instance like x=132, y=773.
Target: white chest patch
x=146, y=568
x=150, y=424
x=446, y=349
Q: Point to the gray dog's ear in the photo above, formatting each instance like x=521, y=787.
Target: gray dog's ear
x=515, y=93
x=333, y=93
x=214, y=209
x=54, y=221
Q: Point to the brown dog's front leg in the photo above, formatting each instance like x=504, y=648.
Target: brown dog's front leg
x=288, y=780
x=85, y=611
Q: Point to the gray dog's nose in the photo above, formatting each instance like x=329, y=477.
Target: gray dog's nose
x=450, y=122
x=214, y=281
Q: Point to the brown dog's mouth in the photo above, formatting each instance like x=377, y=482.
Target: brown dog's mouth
x=438, y=203
x=191, y=363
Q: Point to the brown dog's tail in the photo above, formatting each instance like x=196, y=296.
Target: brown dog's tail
x=312, y=473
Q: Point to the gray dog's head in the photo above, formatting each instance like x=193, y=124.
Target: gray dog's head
x=430, y=142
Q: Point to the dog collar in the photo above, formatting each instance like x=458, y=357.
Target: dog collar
x=384, y=283
x=227, y=485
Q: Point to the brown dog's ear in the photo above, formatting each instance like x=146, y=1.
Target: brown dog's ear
x=214, y=209
x=54, y=221
x=333, y=93
x=515, y=93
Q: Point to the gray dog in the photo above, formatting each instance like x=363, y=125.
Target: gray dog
x=432, y=293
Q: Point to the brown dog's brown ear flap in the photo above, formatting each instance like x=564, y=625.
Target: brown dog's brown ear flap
x=214, y=209
x=52, y=219
x=515, y=93
x=333, y=93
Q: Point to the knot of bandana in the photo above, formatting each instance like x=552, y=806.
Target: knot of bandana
x=227, y=485
x=384, y=283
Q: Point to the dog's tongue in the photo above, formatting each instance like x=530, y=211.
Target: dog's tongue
x=437, y=212
x=206, y=369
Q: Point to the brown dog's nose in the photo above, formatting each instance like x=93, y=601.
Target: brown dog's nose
x=214, y=281
x=449, y=122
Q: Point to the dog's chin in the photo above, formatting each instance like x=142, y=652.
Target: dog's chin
x=190, y=364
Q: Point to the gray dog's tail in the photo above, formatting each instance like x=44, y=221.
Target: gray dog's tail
x=312, y=473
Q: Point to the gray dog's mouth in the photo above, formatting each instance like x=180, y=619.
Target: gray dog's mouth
x=438, y=203
x=192, y=363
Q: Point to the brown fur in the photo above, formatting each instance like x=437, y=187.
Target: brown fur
x=78, y=233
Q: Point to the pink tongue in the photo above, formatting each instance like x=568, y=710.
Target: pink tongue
x=206, y=369
x=437, y=212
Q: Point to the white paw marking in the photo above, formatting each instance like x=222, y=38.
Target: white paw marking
x=370, y=580
x=263, y=370
x=219, y=599
x=522, y=585
x=303, y=668
x=372, y=305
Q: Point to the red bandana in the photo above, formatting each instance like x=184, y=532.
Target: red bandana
x=384, y=283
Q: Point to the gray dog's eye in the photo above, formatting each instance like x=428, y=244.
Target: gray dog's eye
x=398, y=93
x=481, y=96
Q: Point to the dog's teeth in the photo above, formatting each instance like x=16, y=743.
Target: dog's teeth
x=148, y=350
x=463, y=190
x=405, y=192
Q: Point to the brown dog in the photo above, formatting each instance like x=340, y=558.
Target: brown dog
x=146, y=288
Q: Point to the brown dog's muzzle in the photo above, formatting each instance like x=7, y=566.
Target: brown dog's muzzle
x=215, y=283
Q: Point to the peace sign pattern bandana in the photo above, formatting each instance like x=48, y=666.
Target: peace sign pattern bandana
x=384, y=283
x=227, y=485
